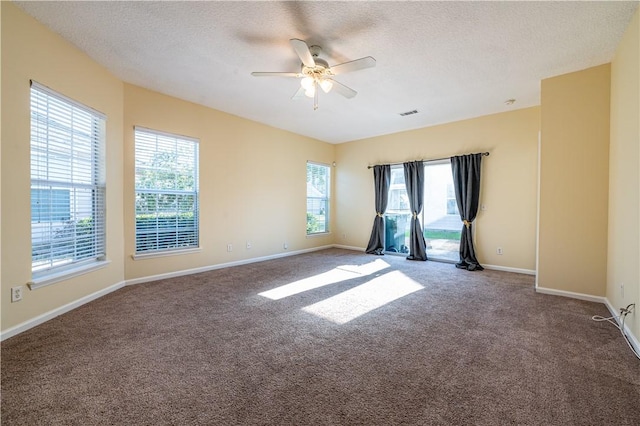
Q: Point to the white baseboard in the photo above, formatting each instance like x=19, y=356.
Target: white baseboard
x=222, y=265
x=616, y=313
x=508, y=269
x=492, y=267
x=340, y=246
x=580, y=296
x=599, y=299
x=10, y=332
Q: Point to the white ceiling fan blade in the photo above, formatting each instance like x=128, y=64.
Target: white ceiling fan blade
x=303, y=52
x=345, y=91
x=299, y=94
x=358, y=64
x=276, y=74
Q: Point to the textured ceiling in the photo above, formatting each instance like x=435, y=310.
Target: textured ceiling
x=448, y=60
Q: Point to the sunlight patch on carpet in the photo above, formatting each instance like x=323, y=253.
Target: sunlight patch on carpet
x=360, y=300
x=341, y=273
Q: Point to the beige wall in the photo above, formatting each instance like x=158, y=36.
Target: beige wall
x=623, y=265
x=1, y=289
x=574, y=175
x=30, y=51
x=252, y=183
x=508, y=188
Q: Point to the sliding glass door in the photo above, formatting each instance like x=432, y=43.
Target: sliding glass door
x=397, y=218
x=439, y=219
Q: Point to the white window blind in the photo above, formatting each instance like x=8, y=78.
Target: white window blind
x=167, y=212
x=67, y=183
x=318, y=184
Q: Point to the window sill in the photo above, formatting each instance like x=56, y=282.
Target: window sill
x=67, y=274
x=142, y=256
x=318, y=234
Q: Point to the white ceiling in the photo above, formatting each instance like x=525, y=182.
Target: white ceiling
x=448, y=60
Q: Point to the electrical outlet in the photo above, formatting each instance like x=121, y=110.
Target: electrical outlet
x=285, y=245
x=16, y=294
x=248, y=245
x=229, y=247
x=499, y=251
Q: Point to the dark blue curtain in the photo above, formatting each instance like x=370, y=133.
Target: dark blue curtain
x=466, y=181
x=414, y=181
x=381, y=181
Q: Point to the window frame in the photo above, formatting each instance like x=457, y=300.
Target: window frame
x=192, y=233
x=325, y=199
x=67, y=153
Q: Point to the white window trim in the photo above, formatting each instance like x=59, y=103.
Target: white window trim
x=167, y=134
x=329, y=197
x=165, y=253
x=318, y=234
x=48, y=276
x=75, y=103
x=172, y=251
x=67, y=274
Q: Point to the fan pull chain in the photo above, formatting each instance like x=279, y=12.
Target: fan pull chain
x=315, y=95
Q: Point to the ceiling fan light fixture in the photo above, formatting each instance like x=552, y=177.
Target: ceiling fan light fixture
x=307, y=83
x=310, y=92
x=326, y=85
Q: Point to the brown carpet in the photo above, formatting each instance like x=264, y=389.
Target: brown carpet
x=458, y=348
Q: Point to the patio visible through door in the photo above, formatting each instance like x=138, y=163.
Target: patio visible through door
x=440, y=219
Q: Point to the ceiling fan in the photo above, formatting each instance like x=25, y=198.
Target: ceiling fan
x=316, y=72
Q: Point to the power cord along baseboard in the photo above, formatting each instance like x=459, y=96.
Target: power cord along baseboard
x=618, y=322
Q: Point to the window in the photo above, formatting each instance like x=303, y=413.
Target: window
x=50, y=205
x=318, y=184
x=67, y=184
x=167, y=213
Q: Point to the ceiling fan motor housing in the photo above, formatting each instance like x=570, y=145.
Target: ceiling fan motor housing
x=320, y=70
x=315, y=50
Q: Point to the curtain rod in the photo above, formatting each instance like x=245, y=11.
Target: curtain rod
x=484, y=154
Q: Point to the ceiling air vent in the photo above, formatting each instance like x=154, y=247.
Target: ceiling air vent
x=404, y=114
